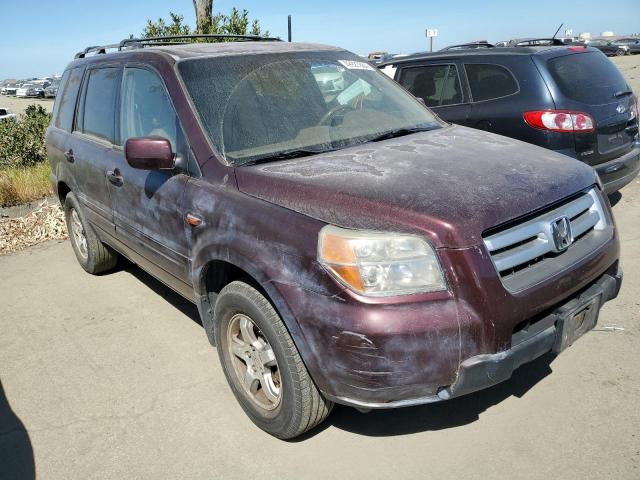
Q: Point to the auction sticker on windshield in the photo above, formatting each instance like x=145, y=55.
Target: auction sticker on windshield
x=355, y=65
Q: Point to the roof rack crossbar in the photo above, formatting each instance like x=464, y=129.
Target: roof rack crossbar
x=170, y=40
x=219, y=36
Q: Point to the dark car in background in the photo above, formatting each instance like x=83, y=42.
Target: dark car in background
x=52, y=90
x=632, y=43
x=609, y=47
x=569, y=99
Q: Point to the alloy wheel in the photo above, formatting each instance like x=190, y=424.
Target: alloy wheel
x=79, y=236
x=254, y=362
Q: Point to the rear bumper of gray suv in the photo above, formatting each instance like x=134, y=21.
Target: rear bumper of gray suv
x=620, y=171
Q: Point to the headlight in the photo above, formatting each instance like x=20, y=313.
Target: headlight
x=380, y=264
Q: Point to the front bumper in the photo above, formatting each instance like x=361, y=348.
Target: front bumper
x=482, y=371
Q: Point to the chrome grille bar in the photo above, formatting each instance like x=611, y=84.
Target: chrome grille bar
x=531, y=242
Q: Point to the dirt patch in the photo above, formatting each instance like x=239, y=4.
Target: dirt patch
x=18, y=105
x=46, y=222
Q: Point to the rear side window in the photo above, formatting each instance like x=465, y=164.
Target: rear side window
x=100, y=103
x=66, y=102
x=437, y=85
x=587, y=77
x=490, y=81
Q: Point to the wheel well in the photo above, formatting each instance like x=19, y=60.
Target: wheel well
x=219, y=273
x=63, y=190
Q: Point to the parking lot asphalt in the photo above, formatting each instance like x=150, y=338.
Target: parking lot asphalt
x=112, y=377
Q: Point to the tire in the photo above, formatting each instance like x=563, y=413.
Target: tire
x=93, y=255
x=299, y=405
x=620, y=53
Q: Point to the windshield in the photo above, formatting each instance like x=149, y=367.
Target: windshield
x=269, y=106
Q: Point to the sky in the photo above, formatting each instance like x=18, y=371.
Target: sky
x=41, y=39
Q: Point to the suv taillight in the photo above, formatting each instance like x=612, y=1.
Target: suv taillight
x=633, y=111
x=560, y=121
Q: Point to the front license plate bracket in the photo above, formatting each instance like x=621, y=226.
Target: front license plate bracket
x=574, y=323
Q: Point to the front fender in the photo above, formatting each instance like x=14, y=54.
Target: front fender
x=275, y=246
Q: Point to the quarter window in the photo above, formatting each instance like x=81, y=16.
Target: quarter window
x=490, y=81
x=145, y=108
x=66, y=102
x=100, y=103
x=437, y=85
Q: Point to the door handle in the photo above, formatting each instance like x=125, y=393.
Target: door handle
x=69, y=156
x=114, y=177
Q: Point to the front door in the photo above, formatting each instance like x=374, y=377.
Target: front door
x=148, y=205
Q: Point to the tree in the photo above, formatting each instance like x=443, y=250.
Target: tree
x=236, y=23
x=161, y=28
x=204, y=13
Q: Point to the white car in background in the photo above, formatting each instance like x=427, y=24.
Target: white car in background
x=10, y=89
x=6, y=114
x=30, y=90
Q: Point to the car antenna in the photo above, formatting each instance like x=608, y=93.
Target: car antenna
x=554, y=35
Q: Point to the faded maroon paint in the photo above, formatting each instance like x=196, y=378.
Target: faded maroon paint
x=149, y=153
x=448, y=185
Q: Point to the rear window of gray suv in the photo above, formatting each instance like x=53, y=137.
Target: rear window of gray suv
x=587, y=77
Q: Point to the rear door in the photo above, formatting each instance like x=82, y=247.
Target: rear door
x=91, y=146
x=587, y=81
x=494, y=103
x=440, y=86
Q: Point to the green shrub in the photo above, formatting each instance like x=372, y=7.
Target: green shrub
x=22, y=142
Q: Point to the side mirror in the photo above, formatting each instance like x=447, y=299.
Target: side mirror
x=149, y=153
x=421, y=100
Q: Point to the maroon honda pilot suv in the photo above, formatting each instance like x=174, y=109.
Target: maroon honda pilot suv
x=342, y=243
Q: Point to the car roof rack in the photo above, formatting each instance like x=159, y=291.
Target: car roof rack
x=468, y=45
x=132, y=43
x=533, y=42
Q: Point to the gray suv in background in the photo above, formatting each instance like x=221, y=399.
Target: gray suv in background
x=570, y=99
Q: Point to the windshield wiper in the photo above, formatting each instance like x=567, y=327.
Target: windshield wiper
x=400, y=132
x=622, y=93
x=299, y=153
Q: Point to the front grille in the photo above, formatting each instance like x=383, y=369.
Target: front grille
x=527, y=252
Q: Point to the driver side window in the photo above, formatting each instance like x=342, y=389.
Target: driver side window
x=145, y=109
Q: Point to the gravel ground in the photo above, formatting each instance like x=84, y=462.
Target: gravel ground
x=112, y=377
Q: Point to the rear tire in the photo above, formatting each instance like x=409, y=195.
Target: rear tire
x=263, y=366
x=93, y=255
x=620, y=52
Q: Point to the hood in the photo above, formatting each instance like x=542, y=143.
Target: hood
x=449, y=184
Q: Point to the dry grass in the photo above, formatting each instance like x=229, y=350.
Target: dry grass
x=46, y=223
x=24, y=184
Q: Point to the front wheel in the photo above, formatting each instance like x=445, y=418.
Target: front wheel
x=620, y=52
x=263, y=366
